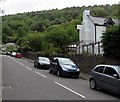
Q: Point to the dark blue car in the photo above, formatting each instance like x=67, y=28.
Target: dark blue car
x=64, y=67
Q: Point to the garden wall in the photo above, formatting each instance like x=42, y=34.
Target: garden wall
x=85, y=62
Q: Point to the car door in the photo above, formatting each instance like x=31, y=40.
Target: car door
x=109, y=81
x=36, y=62
x=53, y=65
x=98, y=74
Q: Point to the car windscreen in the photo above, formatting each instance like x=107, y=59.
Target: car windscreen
x=44, y=59
x=64, y=61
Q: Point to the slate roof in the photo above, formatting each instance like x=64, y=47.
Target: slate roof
x=116, y=21
x=102, y=21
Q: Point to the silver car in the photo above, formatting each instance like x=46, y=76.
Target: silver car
x=42, y=63
x=105, y=77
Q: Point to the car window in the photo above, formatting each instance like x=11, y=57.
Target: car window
x=110, y=71
x=99, y=69
x=54, y=61
x=65, y=61
x=43, y=59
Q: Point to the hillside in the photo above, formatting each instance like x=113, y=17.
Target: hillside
x=53, y=28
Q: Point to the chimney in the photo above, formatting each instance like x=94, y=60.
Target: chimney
x=85, y=14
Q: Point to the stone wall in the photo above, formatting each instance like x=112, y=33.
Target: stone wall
x=84, y=62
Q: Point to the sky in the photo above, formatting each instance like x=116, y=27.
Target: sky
x=21, y=6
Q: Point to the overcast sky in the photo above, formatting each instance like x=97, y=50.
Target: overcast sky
x=20, y=6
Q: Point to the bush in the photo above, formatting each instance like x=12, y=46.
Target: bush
x=111, y=42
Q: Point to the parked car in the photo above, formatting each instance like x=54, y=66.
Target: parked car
x=18, y=55
x=13, y=54
x=64, y=66
x=42, y=62
x=105, y=77
x=8, y=53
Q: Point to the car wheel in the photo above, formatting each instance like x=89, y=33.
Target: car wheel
x=38, y=65
x=93, y=84
x=50, y=70
x=34, y=65
x=58, y=73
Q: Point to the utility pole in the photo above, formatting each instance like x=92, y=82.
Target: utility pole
x=1, y=14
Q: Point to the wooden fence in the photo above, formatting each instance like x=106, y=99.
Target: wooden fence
x=81, y=48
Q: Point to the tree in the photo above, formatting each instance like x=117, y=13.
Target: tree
x=5, y=38
x=32, y=41
x=38, y=26
x=111, y=42
x=7, y=30
x=57, y=36
x=100, y=12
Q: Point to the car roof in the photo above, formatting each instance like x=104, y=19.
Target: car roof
x=43, y=57
x=18, y=53
x=106, y=65
x=60, y=58
x=115, y=66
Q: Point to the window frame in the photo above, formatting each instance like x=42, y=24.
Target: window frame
x=110, y=74
x=98, y=68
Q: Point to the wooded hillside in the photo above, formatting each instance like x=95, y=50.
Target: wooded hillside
x=49, y=30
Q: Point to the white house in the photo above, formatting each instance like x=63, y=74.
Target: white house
x=92, y=28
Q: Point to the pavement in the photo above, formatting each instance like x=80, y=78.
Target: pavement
x=84, y=76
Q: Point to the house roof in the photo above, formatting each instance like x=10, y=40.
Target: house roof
x=116, y=21
x=102, y=21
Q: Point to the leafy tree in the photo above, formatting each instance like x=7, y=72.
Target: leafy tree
x=111, y=42
x=38, y=26
x=29, y=21
x=5, y=38
x=33, y=41
x=7, y=30
x=15, y=24
x=57, y=36
x=50, y=49
x=115, y=11
x=100, y=12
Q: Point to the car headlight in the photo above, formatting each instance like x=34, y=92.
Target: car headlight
x=78, y=69
x=41, y=63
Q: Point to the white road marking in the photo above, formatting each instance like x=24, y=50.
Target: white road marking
x=70, y=90
x=17, y=61
x=40, y=74
x=3, y=87
x=22, y=64
x=28, y=68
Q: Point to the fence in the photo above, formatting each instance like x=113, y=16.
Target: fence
x=81, y=48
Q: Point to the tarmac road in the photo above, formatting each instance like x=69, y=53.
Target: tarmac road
x=22, y=81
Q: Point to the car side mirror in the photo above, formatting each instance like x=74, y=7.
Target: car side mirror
x=115, y=75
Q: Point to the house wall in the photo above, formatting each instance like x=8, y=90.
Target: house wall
x=88, y=30
x=99, y=31
x=90, y=33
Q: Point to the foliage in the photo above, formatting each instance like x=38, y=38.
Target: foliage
x=11, y=48
x=33, y=42
x=111, y=42
x=49, y=30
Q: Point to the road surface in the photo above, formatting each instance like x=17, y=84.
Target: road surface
x=22, y=81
